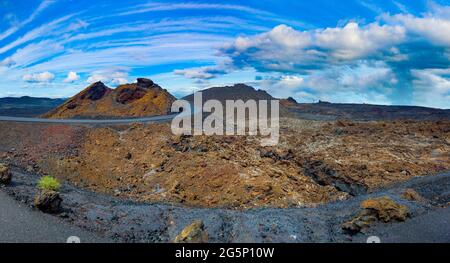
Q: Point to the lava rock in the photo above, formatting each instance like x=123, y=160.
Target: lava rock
x=411, y=195
x=5, y=174
x=194, y=233
x=378, y=209
x=95, y=91
x=386, y=209
x=48, y=201
x=145, y=82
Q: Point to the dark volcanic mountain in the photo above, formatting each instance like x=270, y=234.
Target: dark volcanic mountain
x=236, y=92
x=144, y=98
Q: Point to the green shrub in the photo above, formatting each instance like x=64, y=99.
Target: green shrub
x=48, y=183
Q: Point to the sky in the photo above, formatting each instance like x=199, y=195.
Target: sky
x=347, y=51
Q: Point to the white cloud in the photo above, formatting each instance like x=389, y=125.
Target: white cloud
x=431, y=87
x=355, y=42
x=365, y=83
x=286, y=49
x=283, y=86
x=111, y=76
x=431, y=27
x=39, y=77
x=71, y=77
x=194, y=73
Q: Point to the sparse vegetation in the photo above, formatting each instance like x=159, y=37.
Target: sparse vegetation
x=48, y=183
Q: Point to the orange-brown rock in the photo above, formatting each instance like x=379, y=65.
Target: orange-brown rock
x=5, y=174
x=193, y=233
x=411, y=195
x=144, y=98
x=383, y=209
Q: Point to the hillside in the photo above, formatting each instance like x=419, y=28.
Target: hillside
x=27, y=106
x=143, y=98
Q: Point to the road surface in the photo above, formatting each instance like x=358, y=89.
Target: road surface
x=91, y=121
x=19, y=224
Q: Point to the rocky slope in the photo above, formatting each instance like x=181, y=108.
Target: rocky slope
x=314, y=163
x=144, y=98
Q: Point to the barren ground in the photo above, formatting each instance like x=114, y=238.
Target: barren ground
x=315, y=162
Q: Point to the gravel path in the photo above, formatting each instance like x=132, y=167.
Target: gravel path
x=19, y=223
x=433, y=227
x=127, y=221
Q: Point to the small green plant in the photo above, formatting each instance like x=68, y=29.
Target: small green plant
x=48, y=183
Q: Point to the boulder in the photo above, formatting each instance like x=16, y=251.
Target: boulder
x=378, y=209
x=193, y=233
x=364, y=219
x=48, y=201
x=411, y=195
x=385, y=209
x=145, y=82
x=5, y=174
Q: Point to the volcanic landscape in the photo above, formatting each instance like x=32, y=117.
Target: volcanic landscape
x=138, y=182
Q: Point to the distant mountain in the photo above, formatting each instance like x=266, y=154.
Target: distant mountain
x=324, y=110
x=241, y=92
x=144, y=98
x=27, y=106
x=333, y=111
x=26, y=101
x=235, y=92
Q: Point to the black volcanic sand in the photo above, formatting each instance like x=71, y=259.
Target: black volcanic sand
x=128, y=221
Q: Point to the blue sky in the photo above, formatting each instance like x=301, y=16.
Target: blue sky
x=370, y=51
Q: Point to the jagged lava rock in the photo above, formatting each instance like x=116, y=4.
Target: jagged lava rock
x=48, y=201
x=382, y=208
x=411, y=195
x=193, y=233
x=5, y=174
x=386, y=209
